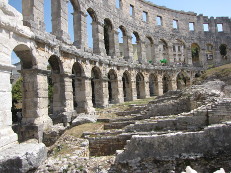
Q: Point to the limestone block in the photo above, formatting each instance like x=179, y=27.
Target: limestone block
x=22, y=158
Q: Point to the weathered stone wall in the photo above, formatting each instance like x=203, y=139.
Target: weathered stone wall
x=178, y=146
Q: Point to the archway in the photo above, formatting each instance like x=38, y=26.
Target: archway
x=166, y=83
x=136, y=43
x=55, y=86
x=179, y=52
x=149, y=50
x=209, y=54
x=153, y=85
x=163, y=50
x=127, y=86
x=97, y=87
x=183, y=80
x=78, y=84
x=112, y=87
x=223, y=51
x=140, y=86
x=195, y=49
x=123, y=43
x=109, y=38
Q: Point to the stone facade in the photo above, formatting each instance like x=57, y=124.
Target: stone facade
x=83, y=79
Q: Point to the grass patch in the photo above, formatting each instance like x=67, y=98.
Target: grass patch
x=222, y=71
x=90, y=127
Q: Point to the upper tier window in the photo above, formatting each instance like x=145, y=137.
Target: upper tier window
x=206, y=27
x=220, y=27
x=132, y=13
x=191, y=26
x=145, y=16
x=175, y=24
x=159, y=21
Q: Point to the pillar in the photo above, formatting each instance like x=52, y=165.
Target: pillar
x=33, y=14
x=60, y=19
x=7, y=136
x=130, y=49
x=117, y=48
x=80, y=30
x=120, y=91
x=160, y=86
x=142, y=58
x=134, y=93
x=104, y=101
x=147, y=89
x=83, y=95
x=35, y=105
x=173, y=84
x=98, y=34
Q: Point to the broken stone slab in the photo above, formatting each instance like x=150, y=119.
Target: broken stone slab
x=84, y=118
x=22, y=158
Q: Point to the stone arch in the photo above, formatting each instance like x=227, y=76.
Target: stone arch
x=179, y=52
x=94, y=30
x=127, y=86
x=78, y=84
x=137, y=49
x=123, y=47
x=55, y=81
x=163, y=50
x=109, y=37
x=166, y=80
x=113, y=87
x=140, y=86
x=149, y=45
x=183, y=80
x=34, y=97
x=97, y=87
x=195, y=49
x=153, y=84
x=209, y=53
x=223, y=50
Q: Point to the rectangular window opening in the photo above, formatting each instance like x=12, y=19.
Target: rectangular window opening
x=159, y=20
x=131, y=10
x=206, y=27
x=220, y=27
x=191, y=26
x=145, y=16
x=118, y=4
x=175, y=24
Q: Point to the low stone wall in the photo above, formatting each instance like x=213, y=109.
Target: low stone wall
x=107, y=145
x=168, y=148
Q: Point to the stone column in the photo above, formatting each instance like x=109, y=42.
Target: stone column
x=35, y=105
x=189, y=55
x=130, y=49
x=173, y=84
x=170, y=58
x=142, y=58
x=134, y=92
x=105, y=94
x=98, y=34
x=80, y=30
x=60, y=19
x=160, y=86
x=147, y=89
x=83, y=95
x=33, y=14
x=7, y=136
x=120, y=91
x=116, y=39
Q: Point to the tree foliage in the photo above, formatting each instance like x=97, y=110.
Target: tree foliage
x=17, y=92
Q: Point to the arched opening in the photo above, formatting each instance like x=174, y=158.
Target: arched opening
x=127, y=86
x=153, y=85
x=109, y=38
x=166, y=83
x=209, y=53
x=179, y=52
x=92, y=30
x=123, y=43
x=23, y=92
x=73, y=21
x=163, y=52
x=112, y=87
x=78, y=84
x=55, y=80
x=136, y=43
x=97, y=87
x=140, y=86
x=195, y=49
x=183, y=81
x=223, y=51
x=149, y=50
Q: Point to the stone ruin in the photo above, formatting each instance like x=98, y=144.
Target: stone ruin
x=85, y=78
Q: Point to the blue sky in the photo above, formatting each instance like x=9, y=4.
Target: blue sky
x=206, y=7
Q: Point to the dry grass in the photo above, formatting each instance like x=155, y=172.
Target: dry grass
x=90, y=127
x=222, y=71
